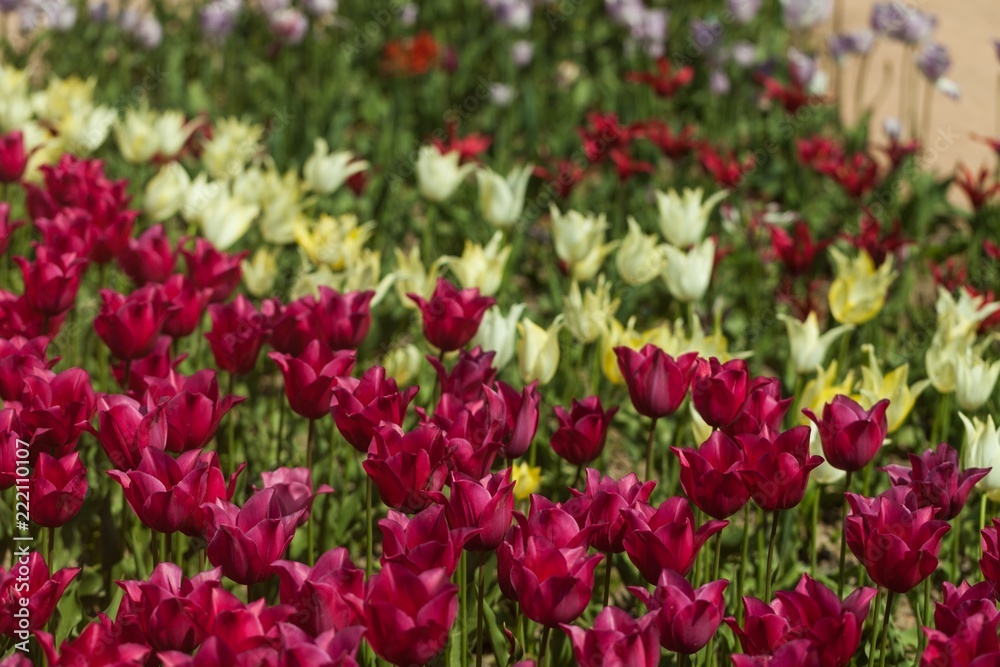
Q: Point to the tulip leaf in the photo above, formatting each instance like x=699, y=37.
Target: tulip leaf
x=497, y=638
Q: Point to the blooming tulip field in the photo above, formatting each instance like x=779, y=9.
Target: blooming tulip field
x=493, y=332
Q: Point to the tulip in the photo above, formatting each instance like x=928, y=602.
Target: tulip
x=411, y=276
x=657, y=383
x=310, y=376
x=260, y=272
x=54, y=410
x=687, y=275
x=553, y=584
x=776, y=469
x=975, y=380
x=989, y=564
x=423, y=542
x=245, y=541
x=639, y=259
x=451, y=316
x=407, y=467
x=58, y=487
x=126, y=427
x=579, y=242
x=409, y=615
x=858, y=292
x=616, y=640
x=935, y=480
x=526, y=480
x=687, y=618
x=710, y=476
x=192, y=407
x=100, y=644
x=166, y=192
x=238, y=332
x=167, y=494
x=797, y=251
x=602, y=508
x=582, y=430
x=326, y=596
x=483, y=505
x=665, y=539
x=892, y=386
x=129, y=325
x=148, y=258
x=211, y=269
x=294, y=490
x=588, y=314
x=719, y=395
x=501, y=201
x=982, y=450
x=538, y=350
x=13, y=157
x=497, y=333
x=480, y=267
x=438, y=174
x=896, y=542
x=29, y=586
x=808, y=347
x=683, y=219
x=343, y=319
x=324, y=172
x=851, y=435
x=51, y=281
x=962, y=604
x=10, y=428
x=360, y=406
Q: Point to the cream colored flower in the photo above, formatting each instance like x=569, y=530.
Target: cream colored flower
x=579, y=242
x=687, y=274
x=412, y=278
x=538, y=350
x=232, y=146
x=260, y=272
x=975, y=379
x=438, y=176
x=282, y=207
x=332, y=240
x=982, y=450
x=403, y=364
x=639, y=258
x=172, y=132
x=501, y=200
x=683, y=219
x=858, y=292
x=324, y=172
x=808, y=347
x=587, y=314
x=226, y=219
x=166, y=192
x=498, y=333
x=136, y=135
x=875, y=386
x=481, y=267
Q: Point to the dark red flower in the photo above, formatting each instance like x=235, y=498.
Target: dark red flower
x=976, y=188
x=411, y=56
x=663, y=81
x=360, y=406
x=326, y=596
x=452, y=316
x=310, y=376
x=851, y=435
x=469, y=147
x=344, y=319
x=125, y=427
x=29, y=580
x=51, y=281
x=686, y=618
x=798, y=251
x=603, y=508
x=54, y=410
x=424, y=541
x=710, y=476
x=776, y=467
x=407, y=467
x=616, y=640
x=554, y=585
x=483, y=505
x=213, y=270
x=129, y=325
x=188, y=302
x=936, y=480
x=148, y=258
x=727, y=170
x=473, y=370
x=238, y=332
x=58, y=487
x=582, y=430
x=657, y=383
x=718, y=391
x=13, y=157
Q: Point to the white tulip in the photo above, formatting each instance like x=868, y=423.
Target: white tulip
x=683, y=218
x=501, y=200
x=687, y=274
x=438, y=176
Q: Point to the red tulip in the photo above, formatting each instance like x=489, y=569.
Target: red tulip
x=344, y=319
x=616, y=640
x=148, y=258
x=29, y=580
x=294, y=490
x=156, y=365
x=797, y=251
x=471, y=372
x=582, y=431
x=936, y=481
x=719, y=394
x=125, y=427
x=851, y=435
x=129, y=325
x=192, y=407
x=776, y=469
x=10, y=429
x=665, y=539
x=554, y=585
x=245, y=541
x=295, y=326
x=408, y=615
x=238, y=332
x=452, y=316
x=423, y=542
x=13, y=157
x=795, y=653
x=359, y=406
x=604, y=505
x=483, y=505
x=474, y=430
x=763, y=408
x=896, y=542
x=189, y=305
x=407, y=467
x=213, y=270
x=51, y=281
x=20, y=357
x=687, y=619
x=656, y=382
x=7, y=227
x=55, y=408
x=99, y=644
x=522, y=418
x=710, y=476
x=58, y=487
x=309, y=377
x=326, y=596
x=989, y=564
x=961, y=604
x=167, y=494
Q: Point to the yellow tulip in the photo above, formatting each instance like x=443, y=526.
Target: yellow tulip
x=587, y=314
x=479, y=266
x=526, y=480
x=412, y=278
x=232, y=146
x=324, y=172
x=858, y=292
x=821, y=389
x=501, y=200
x=538, y=350
x=875, y=386
x=616, y=335
x=807, y=347
x=403, y=363
x=260, y=272
x=332, y=240
x=579, y=242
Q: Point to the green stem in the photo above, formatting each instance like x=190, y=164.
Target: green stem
x=543, y=646
x=607, y=578
x=649, y=449
x=310, y=536
x=841, y=576
x=770, y=557
x=463, y=613
x=479, y=612
x=873, y=636
x=369, y=550
x=718, y=556
x=923, y=619
x=885, y=628
x=50, y=549
x=813, y=542
x=744, y=548
x=982, y=511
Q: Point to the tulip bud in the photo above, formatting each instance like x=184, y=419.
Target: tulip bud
x=851, y=435
x=501, y=201
x=858, y=292
x=538, y=350
x=687, y=274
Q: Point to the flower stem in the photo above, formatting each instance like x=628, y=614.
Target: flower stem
x=813, y=542
x=744, y=547
x=649, y=449
x=479, y=612
x=368, y=524
x=607, y=578
x=885, y=627
x=50, y=548
x=843, y=539
x=770, y=556
x=874, y=630
x=923, y=619
x=463, y=608
x=543, y=646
